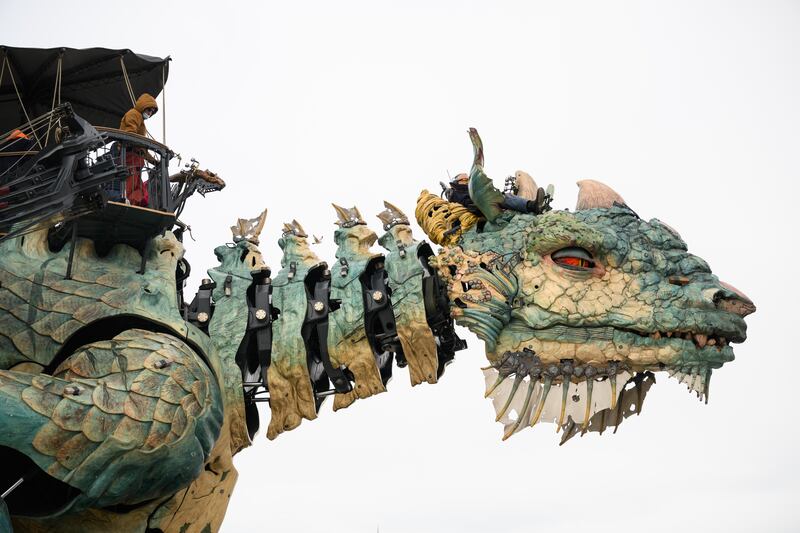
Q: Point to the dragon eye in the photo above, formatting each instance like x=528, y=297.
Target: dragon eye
x=573, y=258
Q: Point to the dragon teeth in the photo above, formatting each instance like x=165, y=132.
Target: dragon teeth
x=541, y=403
x=700, y=339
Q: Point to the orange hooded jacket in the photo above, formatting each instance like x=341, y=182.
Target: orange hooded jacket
x=133, y=121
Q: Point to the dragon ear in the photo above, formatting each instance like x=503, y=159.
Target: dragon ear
x=342, y=215
x=391, y=216
x=593, y=194
x=249, y=230
x=347, y=218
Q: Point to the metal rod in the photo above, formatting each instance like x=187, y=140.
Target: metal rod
x=12, y=487
x=163, y=104
x=145, y=253
x=72, y=249
x=253, y=399
x=318, y=395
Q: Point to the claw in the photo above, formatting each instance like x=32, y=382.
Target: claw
x=525, y=404
x=706, y=384
x=564, y=391
x=496, y=384
x=613, y=380
x=514, y=388
x=589, y=385
x=548, y=380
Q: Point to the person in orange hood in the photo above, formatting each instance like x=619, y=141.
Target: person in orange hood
x=133, y=122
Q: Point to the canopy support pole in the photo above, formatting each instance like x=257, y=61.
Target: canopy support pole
x=163, y=105
x=3, y=69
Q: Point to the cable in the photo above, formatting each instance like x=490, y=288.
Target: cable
x=56, y=91
x=25, y=111
x=127, y=80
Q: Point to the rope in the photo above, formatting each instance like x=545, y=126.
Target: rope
x=37, y=123
x=3, y=69
x=127, y=80
x=56, y=91
x=59, y=81
x=25, y=111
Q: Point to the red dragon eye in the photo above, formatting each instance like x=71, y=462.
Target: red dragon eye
x=573, y=258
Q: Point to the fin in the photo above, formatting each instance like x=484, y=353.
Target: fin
x=481, y=189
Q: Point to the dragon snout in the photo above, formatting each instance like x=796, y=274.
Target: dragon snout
x=734, y=301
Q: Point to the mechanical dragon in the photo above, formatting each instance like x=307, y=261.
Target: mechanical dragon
x=122, y=406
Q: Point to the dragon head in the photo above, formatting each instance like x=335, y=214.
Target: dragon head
x=579, y=309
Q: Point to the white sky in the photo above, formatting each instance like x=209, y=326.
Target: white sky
x=688, y=109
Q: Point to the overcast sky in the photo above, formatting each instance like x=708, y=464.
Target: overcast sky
x=688, y=109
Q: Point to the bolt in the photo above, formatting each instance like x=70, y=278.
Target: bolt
x=202, y=317
x=261, y=314
x=377, y=296
x=319, y=307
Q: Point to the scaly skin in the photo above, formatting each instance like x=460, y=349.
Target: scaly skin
x=132, y=415
x=347, y=339
x=117, y=413
x=405, y=278
x=291, y=394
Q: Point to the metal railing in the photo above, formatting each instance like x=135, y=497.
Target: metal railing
x=147, y=169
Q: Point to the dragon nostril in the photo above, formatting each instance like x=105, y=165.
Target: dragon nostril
x=735, y=305
x=679, y=280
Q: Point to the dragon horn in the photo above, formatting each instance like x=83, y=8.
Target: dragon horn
x=259, y=225
x=526, y=185
x=593, y=194
x=481, y=189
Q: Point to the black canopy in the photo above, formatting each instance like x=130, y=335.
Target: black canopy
x=92, y=81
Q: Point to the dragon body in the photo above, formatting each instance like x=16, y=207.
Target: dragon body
x=119, y=412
